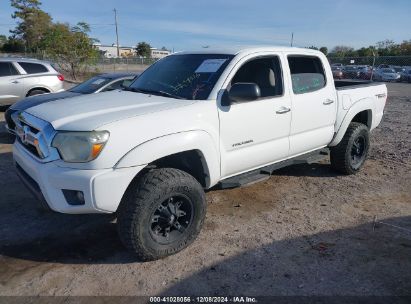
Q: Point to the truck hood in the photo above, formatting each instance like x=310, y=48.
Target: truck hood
x=89, y=112
x=36, y=100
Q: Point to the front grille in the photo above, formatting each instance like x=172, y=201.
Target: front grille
x=35, y=135
x=32, y=149
x=28, y=144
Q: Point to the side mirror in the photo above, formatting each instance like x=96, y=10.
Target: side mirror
x=241, y=92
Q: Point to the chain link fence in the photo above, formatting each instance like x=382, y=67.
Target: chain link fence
x=94, y=66
x=381, y=68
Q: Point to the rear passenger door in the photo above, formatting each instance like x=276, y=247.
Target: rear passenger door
x=11, y=84
x=314, y=104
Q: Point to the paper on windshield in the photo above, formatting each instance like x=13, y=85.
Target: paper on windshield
x=210, y=65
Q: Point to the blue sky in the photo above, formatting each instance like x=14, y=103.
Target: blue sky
x=190, y=24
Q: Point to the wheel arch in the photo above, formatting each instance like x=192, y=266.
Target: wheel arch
x=193, y=152
x=45, y=89
x=362, y=111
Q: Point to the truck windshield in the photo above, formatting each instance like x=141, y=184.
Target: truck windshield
x=185, y=76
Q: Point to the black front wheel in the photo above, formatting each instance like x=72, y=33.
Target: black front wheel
x=350, y=154
x=161, y=213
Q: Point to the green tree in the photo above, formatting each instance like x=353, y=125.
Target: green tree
x=366, y=51
x=3, y=40
x=33, y=22
x=143, y=49
x=405, y=48
x=70, y=46
x=13, y=45
x=324, y=50
x=342, y=51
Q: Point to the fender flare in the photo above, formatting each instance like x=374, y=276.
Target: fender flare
x=154, y=149
x=365, y=104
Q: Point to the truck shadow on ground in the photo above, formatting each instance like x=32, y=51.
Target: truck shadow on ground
x=32, y=235
x=311, y=170
x=29, y=233
x=363, y=260
x=4, y=108
x=5, y=137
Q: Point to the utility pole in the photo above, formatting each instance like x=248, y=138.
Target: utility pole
x=292, y=38
x=115, y=20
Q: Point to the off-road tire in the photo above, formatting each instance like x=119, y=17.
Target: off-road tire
x=141, y=201
x=341, y=155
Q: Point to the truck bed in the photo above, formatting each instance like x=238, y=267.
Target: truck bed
x=352, y=84
x=371, y=94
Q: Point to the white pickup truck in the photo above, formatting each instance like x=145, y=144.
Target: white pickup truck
x=192, y=121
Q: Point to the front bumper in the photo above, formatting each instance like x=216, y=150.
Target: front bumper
x=103, y=189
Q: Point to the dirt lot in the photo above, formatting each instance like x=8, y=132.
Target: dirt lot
x=304, y=231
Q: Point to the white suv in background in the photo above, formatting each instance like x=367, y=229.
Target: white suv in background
x=20, y=78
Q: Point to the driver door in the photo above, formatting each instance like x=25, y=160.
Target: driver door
x=256, y=133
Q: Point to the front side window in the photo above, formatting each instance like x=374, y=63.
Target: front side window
x=307, y=73
x=7, y=69
x=186, y=76
x=265, y=72
x=33, y=68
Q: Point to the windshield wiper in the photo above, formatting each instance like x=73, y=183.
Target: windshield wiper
x=133, y=90
x=153, y=92
x=166, y=94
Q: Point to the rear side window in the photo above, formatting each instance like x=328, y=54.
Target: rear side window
x=33, y=68
x=7, y=69
x=307, y=74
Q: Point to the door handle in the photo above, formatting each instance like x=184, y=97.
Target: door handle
x=283, y=110
x=15, y=81
x=328, y=101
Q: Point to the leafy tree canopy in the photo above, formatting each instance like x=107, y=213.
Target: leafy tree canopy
x=70, y=46
x=143, y=49
x=32, y=23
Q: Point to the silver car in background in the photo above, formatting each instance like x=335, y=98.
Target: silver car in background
x=21, y=77
x=386, y=74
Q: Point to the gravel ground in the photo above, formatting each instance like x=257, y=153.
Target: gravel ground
x=305, y=231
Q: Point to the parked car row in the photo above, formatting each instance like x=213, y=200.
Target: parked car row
x=21, y=77
x=383, y=72
x=101, y=83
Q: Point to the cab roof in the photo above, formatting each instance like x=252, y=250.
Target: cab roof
x=244, y=50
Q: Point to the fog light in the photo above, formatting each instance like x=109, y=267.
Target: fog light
x=74, y=197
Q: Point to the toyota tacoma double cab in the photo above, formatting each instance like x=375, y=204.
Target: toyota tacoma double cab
x=190, y=122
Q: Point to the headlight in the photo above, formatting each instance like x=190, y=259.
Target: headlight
x=80, y=147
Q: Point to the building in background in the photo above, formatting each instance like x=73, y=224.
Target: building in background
x=110, y=51
x=159, y=53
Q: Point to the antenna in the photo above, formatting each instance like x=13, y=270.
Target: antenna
x=292, y=38
x=115, y=20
